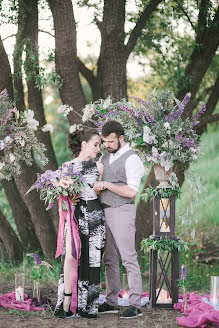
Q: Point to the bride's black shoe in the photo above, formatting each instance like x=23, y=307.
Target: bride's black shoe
x=61, y=313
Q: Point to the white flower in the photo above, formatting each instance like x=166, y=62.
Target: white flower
x=2, y=164
x=12, y=157
x=180, y=129
x=193, y=150
x=22, y=142
x=2, y=145
x=107, y=103
x=167, y=125
x=31, y=122
x=89, y=111
x=47, y=128
x=171, y=144
x=146, y=129
x=73, y=128
x=66, y=109
x=194, y=157
x=165, y=144
x=168, y=131
x=8, y=140
x=29, y=114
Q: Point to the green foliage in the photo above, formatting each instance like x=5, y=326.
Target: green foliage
x=151, y=192
x=166, y=245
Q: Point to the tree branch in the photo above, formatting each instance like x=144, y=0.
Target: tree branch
x=86, y=72
x=149, y=9
x=206, y=120
x=186, y=14
x=202, y=19
x=47, y=33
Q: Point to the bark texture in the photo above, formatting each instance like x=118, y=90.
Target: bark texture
x=10, y=240
x=71, y=91
x=21, y=216
x=41, y=219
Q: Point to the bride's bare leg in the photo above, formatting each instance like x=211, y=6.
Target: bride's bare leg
x=68, y=267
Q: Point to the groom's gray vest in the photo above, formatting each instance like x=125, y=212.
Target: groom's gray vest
x=115, y=173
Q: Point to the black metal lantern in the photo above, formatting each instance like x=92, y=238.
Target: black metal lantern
x=164, y=217
x=164, y=267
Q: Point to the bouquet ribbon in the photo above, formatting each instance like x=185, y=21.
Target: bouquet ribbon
x=75, y=243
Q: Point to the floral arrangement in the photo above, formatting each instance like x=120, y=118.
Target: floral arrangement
x=174, y=190
x=164, y=244
x=37, y=273
x=17, y=137
x=63, y=182
x=154, y=126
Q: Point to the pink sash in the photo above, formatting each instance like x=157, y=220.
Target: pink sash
x=75, y=243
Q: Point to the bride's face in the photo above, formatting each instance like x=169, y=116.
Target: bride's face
x=92, y=147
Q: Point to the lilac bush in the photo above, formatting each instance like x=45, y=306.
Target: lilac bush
x=17, y=138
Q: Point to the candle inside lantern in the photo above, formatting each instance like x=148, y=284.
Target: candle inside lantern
x=125, y=296
x=214, y=294
x=19, y=287
x=163, y=297
x=19, y=294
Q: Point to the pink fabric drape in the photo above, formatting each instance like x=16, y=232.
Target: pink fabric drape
x=198, y=313
x=8, y=301
x=75, y=243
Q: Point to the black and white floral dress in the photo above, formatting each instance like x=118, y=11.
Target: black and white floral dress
x=90, y=217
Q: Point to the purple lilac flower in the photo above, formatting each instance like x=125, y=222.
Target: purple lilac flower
x=36, y=258
x=190, y=142
x=146, y=104
x=183, y=272
x=195, y=118
x=176, y=114
x=128, y=110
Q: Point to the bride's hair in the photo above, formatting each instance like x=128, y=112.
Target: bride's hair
x=75, y=139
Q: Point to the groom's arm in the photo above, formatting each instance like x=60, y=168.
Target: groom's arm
x=134, y=171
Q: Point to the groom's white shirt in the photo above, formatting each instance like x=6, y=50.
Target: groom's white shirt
x=134, y=167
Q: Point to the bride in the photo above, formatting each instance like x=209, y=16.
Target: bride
x=84, y=145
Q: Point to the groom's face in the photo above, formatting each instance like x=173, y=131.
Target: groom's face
x=112, y=143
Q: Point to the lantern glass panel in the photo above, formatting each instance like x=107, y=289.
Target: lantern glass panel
x=163, y=289
x=165, y=215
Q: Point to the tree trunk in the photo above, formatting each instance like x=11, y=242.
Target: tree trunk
x=5, y=76
x=23, y=12
x=35, y=94
x=21, y=216
x=10, y=240
x=112, y=61
x=71, y=91
x=41, y=219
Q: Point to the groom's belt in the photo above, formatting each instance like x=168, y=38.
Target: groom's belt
x=106, y=206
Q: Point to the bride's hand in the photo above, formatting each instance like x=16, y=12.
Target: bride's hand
x=99, y=186
x=75, y=200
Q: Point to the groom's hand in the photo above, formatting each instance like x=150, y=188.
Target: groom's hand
x=99, y=186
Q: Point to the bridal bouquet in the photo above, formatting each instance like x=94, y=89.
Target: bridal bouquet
x=62, y=183
x=154, y=127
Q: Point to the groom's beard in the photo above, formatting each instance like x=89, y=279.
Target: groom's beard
x=113, y=151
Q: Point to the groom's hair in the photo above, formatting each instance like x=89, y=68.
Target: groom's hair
x=112, y=127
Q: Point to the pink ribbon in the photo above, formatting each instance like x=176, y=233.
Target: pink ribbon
x=75, y=243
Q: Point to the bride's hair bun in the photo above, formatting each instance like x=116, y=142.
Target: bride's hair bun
x=75, y=139
x=74, y=142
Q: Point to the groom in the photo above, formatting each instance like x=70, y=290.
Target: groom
x=122, y=174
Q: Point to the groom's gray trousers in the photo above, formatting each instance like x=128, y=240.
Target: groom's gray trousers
x=120, y=239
